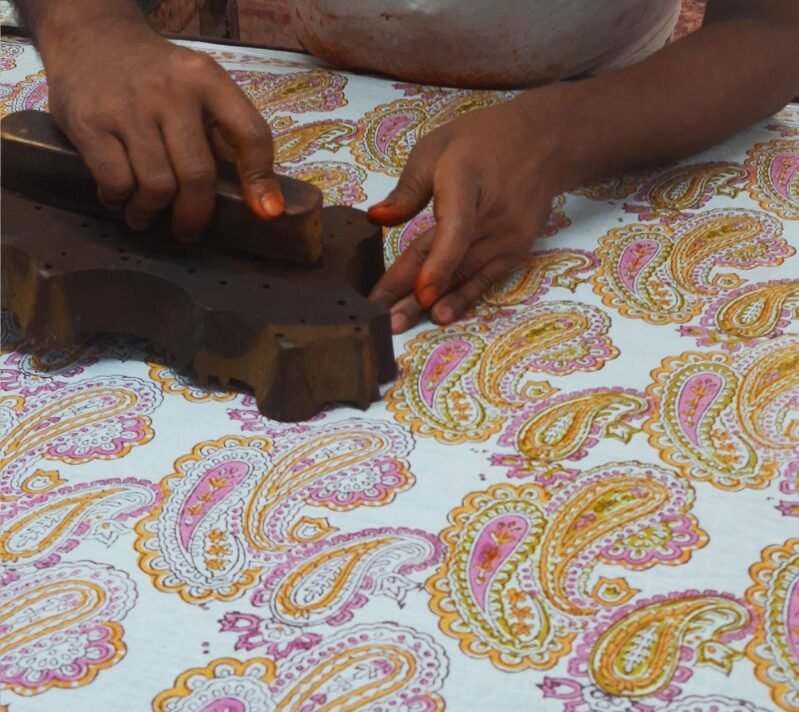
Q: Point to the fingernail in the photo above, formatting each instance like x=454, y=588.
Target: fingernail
x=272, y=205
x=399, y=323
x=445, y=315
x=427, y=296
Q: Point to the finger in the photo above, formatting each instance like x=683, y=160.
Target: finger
x=405, y=314
x=194, y=166
x=455, y=206
x=108, y=162
x=454, y=305
x=155, y=180
x=248, y=134
x=414, y=188
x=398, y=281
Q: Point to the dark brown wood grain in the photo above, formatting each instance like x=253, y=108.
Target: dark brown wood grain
x=298, y=330
x=300, y=336
x=38, y=161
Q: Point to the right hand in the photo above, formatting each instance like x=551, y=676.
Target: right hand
x=148, y=118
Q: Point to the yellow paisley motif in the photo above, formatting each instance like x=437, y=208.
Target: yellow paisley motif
x=756, y=313
x=49, y=521
x=561, y=266
x=609, y=506
x=685, y=188
x=29, y=434
x=782, y=199
x=558, y=431
x=776, y=585
x=293, y=143
x=639, y=654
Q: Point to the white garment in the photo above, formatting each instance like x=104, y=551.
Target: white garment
x=484, y=42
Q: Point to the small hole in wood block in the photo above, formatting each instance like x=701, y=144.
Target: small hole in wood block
x=48, y=266
x=303, y=321
x=279, y=335
x=349, y=222
x=223, y=283
x=191, y=270
x=37, y=207
x=125, y=259
x=266, y=285
x=84, y=224
x=358, y=329
x=63, y=254
x=122, y=250
x=342, y=302
x=353, y=317
x=138, y=262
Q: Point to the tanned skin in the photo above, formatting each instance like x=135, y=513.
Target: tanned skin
x=149, y=118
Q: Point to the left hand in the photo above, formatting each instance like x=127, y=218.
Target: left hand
x=492, y=175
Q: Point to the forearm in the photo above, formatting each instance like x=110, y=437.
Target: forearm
x=685, y=98
x=56, y=25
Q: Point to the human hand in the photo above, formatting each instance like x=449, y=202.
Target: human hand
x=148, y=118
x=492, y=175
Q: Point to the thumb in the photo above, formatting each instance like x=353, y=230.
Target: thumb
x=238, y=129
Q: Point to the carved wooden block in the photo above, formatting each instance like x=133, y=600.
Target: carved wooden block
x=301, y=336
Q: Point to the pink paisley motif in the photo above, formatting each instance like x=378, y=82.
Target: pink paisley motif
x=783, y=171
x=634, y=259
x=211, y=490
x=494, y=545
x=696, y=397
x=29, y=374
x=390, y=127
x=440, y=364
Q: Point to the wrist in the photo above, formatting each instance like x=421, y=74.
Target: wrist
x=564, y=117
x=63, y=27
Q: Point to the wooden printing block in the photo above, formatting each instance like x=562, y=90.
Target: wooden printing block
x=301, y=336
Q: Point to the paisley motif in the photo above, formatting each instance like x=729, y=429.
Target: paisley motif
x=748, y=314
x=30, y=93
x=325, y=581
x=613, y=188
x=463, y=381
x=664, y=275
x=35, y=529
x=61, y=626
x=174, y=383
x=9, y=51
x=311, y=90
x=566, y=426
x=774, y=181
x=542, y=271
x=295, y=143
x=397, y=239
x=30, y=372
x=232, y=507
x=376, y=667
x=100, y=418
x=516, y=584
x=730, y=421
x=341, y=183
x=668, y=195
x=388, y=132
x=774, y=649
x=642, y=650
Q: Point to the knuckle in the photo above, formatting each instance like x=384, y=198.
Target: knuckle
x=159, y=188
x=197, y=176
x=192, y=63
